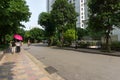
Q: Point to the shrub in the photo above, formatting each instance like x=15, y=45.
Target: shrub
x=115, y=46
x=83, y=44
x=59, y=44
x=69, y=35
x=3, y=46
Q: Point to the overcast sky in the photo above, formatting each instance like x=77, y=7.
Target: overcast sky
x=36, y=7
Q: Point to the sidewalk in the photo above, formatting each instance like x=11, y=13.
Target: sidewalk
x=20, y=67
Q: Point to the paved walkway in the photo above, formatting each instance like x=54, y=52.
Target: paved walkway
x=20, y=67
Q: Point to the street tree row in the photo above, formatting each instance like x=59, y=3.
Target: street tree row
x=60, y=21
x=12, y=13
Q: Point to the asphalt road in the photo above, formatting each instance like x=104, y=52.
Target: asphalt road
x=73, y=65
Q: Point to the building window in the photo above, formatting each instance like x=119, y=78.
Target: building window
x=82, y=9
x=81, y=4
x=82, y=13
x=82, y=25
x=82, y=17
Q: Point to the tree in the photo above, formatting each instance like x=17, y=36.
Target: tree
x=13, y=12
x=43, y=19
x=104, y=16
x=69, y=35
x=81, y=33
x=46, y=22
x=36, y=34
x=27, y=35
x=96, y=35
x=63, y=16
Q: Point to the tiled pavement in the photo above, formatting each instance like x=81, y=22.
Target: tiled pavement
x=20, y=67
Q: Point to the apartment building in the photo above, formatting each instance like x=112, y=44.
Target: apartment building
x=49, y=5
x=80, y=7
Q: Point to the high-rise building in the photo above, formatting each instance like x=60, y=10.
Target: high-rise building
x=49, y=5
x=80, y=7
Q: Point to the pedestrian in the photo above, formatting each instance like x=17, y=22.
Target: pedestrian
x=13, y=46
x=28, y=43
x=18, y=46
x=10, y=47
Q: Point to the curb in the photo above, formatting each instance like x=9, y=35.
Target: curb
x=115, y=53
x=42, y=67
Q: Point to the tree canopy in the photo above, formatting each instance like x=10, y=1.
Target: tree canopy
x=63, y=14
x=34, y=34
x=13, y=12
x=61, y=18
x=45, y=21
x=64, y=17
x=104, y=15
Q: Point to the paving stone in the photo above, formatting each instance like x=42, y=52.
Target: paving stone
x=20, y=67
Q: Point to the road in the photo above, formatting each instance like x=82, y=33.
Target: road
x=73, y=65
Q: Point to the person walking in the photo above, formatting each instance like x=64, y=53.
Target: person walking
x=10, y=47
x=28, y=43
x=13, y=46
x=18, y=46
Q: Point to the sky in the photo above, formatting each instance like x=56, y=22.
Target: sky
x=36, y=7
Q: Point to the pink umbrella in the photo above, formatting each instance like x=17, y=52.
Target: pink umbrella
x=18, y=37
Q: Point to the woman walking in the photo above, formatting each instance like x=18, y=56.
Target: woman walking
x=28, y=43
x=18, y=46
x=13, y=46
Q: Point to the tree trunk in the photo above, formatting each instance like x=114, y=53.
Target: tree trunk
x=4, y=40
x=108, y=46
x=61, y=38
x=0, y=39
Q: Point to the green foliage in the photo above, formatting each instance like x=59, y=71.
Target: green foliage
x=3, y=46
x=59, y=44
x=12, y=13
x=61, y=18
x=36, y=34
x=103, y=16
x=81, y=32
x=69, y=35
x=9, y=38
x=63, y=13
x=94, y=35
x=45, y=21
x=115, y=46
x=27, y=34
x=19, y=9
x=83, y=44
